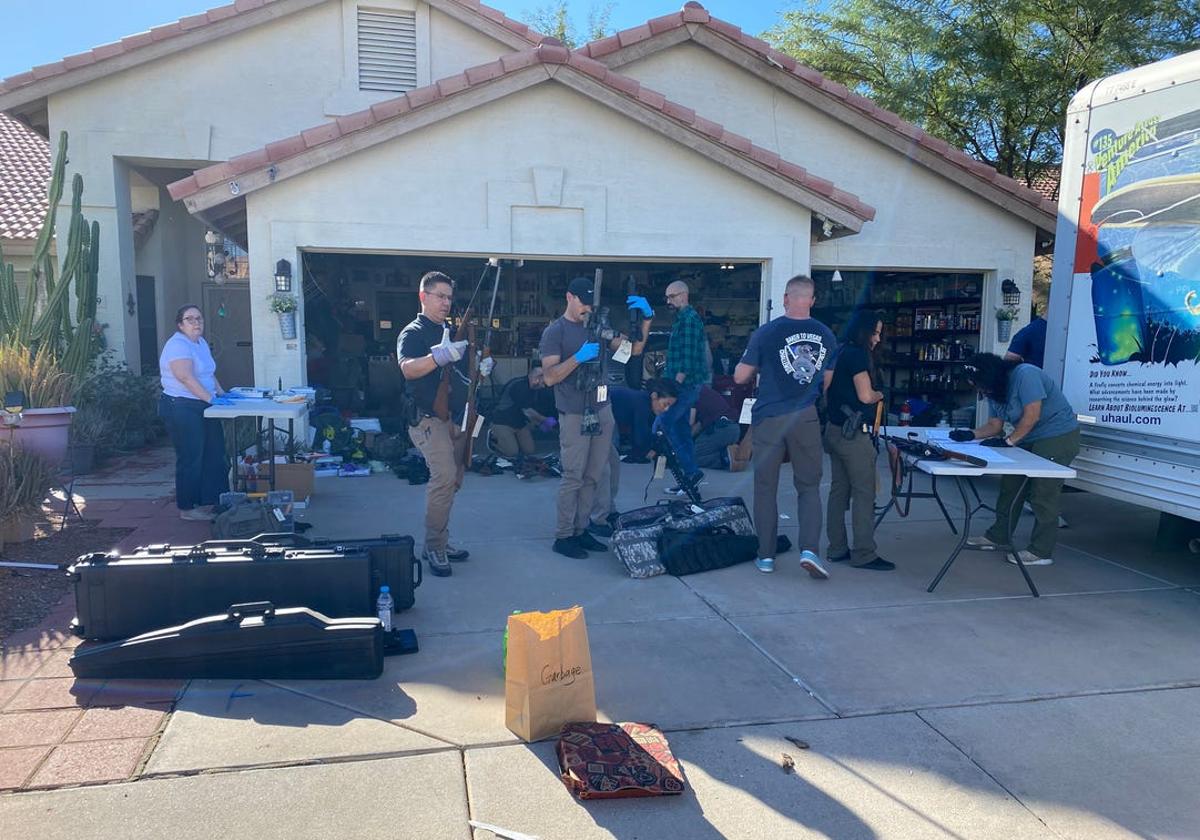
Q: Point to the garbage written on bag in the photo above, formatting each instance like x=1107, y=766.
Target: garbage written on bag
x=548, y=680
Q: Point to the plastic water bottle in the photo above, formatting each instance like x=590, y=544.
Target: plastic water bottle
x=504, y=651
x=384, y=606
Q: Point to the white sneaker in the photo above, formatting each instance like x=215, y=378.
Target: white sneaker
x=982, y=542
x=1028, y=558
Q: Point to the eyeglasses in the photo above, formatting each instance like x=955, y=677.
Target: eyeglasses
x=441, y=295
x=673, y=295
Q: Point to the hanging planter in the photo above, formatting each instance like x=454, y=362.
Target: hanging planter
x=285, y=305
x=287, y=325
x=1004, y=323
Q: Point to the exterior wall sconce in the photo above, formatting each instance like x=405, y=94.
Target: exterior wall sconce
x=1010, y=293
x=283, y=276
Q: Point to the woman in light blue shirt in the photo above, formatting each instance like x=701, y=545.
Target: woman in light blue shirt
x=189, y=382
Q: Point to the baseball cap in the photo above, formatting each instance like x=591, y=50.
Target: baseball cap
x=582, y=288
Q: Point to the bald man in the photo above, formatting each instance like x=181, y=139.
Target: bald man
x=689, y=365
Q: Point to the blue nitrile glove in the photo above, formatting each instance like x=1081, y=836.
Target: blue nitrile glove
x=548, y=424
x=233, y=395
x=996, y=441
x=587, y=352
x=222, y=400
x=962, y=435
x=641, y=304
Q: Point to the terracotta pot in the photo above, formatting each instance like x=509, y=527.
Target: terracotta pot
x=43, y=430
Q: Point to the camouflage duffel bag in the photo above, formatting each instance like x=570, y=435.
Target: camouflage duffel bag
x=636, y=535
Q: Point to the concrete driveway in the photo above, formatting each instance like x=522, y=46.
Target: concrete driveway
x=973, y=712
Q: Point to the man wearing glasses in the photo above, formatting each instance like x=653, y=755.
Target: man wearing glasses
x=689, y=364
x=424, y=348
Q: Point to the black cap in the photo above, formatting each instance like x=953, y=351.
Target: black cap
x=582, y=288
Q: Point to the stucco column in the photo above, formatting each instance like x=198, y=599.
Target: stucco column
x=275, y=359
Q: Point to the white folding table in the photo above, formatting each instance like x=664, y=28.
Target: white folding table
x=260, y=410
x=1010, y=460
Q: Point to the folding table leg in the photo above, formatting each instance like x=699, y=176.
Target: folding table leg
x=938, y=499
x=959, y=482
x=1014, y=509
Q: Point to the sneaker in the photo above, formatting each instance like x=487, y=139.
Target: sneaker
x=195, y=515
x=811, y=564
x=456, y=555
x=766, y=565
x=568, y=547
x=877, y=565
x=982, y=542
x=1028, y=558
x=439, y=563
x=680, y=492
x=600, y=529
x=589, y=543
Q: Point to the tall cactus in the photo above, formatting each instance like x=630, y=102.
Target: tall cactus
x=44, y=318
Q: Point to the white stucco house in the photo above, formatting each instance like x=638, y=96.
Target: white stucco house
x=363, y=142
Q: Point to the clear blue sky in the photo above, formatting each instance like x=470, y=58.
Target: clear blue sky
x=46, y=30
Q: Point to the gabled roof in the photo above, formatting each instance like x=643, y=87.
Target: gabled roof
x=694, y=23
x=219, y=188
x=25, y=88
x=24, y=175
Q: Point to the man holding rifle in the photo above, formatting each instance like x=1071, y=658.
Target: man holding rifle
x=585, y=419
x=428, y=358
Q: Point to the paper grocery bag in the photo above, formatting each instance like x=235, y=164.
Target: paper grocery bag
x=548, y=680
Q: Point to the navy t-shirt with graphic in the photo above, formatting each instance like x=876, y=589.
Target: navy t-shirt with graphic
x=791, y=355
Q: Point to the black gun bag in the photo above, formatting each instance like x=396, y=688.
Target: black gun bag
x=117, y=597
x=245, y=642
x=393, y=562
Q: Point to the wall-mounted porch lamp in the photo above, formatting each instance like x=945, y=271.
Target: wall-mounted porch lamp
x=283, y=276
x=1010, y=293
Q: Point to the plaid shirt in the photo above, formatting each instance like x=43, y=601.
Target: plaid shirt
x=687, y=351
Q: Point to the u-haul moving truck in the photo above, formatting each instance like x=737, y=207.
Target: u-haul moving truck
x=1123, y=332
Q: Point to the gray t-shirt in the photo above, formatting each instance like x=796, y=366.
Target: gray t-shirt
x=1028, y=384
x=563, y=339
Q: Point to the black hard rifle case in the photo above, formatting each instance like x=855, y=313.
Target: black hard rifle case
x=245, y=641
x=117, y=597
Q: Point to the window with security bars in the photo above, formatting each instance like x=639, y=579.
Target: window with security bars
x=387, y=50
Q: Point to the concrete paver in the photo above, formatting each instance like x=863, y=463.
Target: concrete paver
x=17, y=765
x=221, y=723
x=882, y=777
x=98, y=761
x=413, y=798
x=1121, y=764
x=873, y=660
x=26, y=729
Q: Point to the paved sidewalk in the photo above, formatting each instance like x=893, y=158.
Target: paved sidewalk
x=973, y=712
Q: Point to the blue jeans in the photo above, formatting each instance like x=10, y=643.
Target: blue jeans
x=201, y=474
x=674, y=421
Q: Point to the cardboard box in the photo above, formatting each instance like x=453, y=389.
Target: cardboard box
x=299, y=478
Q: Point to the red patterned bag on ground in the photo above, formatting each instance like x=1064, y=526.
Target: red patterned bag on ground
x=617, y=760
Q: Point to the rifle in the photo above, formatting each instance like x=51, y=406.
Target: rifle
x=441, y=400
x=662, y=446
x=472, y=422
x=594, y=375
x=924, y=450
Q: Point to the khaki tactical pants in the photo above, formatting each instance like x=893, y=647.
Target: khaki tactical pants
x=851, y=487
x=444, y=447
x=1042, y=493
x=799, y=435
x=512, y=443
x=583, y=460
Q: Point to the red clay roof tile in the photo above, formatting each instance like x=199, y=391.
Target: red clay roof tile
x=24, y=177
x=637, y=34
x=484, y=72
x=695, y=13
x=602, y=47
x=282, y=149
x=453, y=84
x=391, y=108
x=319, y=134
x=665, y=23
x=356, y=121
x=679, y=112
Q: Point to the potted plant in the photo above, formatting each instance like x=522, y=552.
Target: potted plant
x=39, y=392
x=25, y=479
x=285, y=306
x=1004, y=322
x=90, y=431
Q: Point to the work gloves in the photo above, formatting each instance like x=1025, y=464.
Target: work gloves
x=996, y=441
x=548, y=424
x=222, y=400
x=962, y=435
x=448, y=352
x=640, y=304
x=587, y=352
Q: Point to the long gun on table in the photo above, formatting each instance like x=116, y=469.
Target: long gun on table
x=929, y=451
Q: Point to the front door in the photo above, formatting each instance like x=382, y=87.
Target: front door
x=227, y=328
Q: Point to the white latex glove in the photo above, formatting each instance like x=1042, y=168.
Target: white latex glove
x=486, y=366
x=448, y=352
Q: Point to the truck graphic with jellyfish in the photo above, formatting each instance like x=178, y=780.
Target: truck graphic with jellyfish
x=1124, y=319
